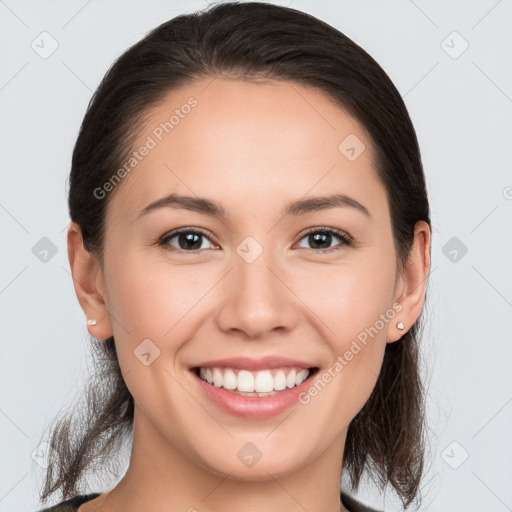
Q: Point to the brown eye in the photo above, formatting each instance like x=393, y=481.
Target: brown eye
x=322, y=238
x=187, y=240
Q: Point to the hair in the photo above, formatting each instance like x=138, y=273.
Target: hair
x=250, y=41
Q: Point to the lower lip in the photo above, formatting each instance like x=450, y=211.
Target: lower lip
x=253, y=407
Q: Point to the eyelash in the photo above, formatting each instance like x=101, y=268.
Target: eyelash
x=346, y=240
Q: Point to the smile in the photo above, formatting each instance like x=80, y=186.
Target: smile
x=256, y=391
x=254, y=383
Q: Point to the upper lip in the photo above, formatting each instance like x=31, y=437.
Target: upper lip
x=247, y=363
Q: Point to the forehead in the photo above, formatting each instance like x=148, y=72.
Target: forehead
x=246, y=142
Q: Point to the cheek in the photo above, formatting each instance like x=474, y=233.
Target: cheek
x=150, y=297
x=152, y=301
x=360, y=311
x=351, y=298
x=356, y=312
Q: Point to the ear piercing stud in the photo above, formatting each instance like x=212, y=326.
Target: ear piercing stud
x=91, y=322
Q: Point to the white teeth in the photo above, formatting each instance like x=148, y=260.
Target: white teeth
x=301, y=377
x=290, y=380
x=245, y=381
x=217, y=378
x=230, y=380
x=264, y=382
x=279, y=381
x=257, y=383
x=271, y=393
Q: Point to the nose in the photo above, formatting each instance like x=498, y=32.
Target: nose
x=256, y=299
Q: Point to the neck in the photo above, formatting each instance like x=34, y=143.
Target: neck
x=168, y=477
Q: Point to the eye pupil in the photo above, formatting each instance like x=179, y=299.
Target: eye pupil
x=190, y=241
x=321, y=238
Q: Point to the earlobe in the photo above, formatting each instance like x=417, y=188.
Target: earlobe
x=87, y=277
x=413, y=282
x=396, y=332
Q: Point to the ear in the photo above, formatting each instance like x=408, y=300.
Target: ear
x=412, y=282
x=89, y=285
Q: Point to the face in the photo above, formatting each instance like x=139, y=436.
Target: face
x=278, y=283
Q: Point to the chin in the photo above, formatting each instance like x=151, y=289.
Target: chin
x=248, y=463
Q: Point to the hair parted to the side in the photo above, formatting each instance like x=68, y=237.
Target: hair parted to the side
x=249, y=41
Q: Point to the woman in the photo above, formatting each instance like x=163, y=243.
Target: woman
x=250, y=243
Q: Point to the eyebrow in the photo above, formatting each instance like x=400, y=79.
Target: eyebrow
x=214, y=209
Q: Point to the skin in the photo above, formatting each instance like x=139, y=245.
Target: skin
x=253, y=148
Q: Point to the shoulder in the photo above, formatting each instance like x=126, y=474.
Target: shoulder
x=72, y=504
x=353, y=505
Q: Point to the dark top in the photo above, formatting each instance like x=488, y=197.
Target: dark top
x=72, y=504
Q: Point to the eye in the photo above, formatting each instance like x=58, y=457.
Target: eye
x=321, y=238
x=191, y=240
x=188, y=240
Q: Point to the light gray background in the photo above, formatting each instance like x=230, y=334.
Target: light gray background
x=462, y=111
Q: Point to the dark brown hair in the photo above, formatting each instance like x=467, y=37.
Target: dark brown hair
x=249, y=41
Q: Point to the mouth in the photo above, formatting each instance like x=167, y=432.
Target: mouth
x=255, y=383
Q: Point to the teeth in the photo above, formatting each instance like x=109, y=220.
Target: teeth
x=301, y=377
x=279, y=380
x=229, y=381
x=260, y=383
x=264, y=382
x=245, y=381
x=290, y=380
x=217, y=378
